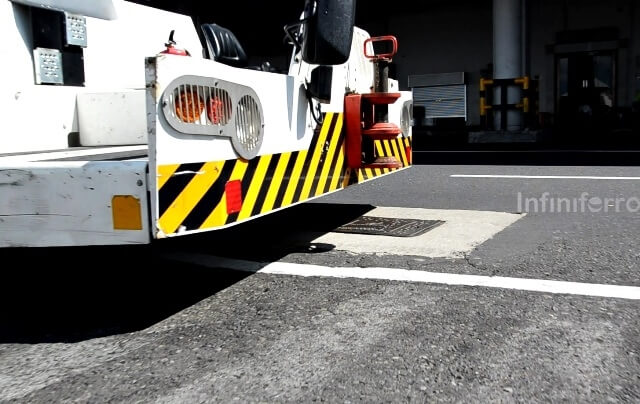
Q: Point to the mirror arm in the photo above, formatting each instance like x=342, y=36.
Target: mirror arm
x=291, y=36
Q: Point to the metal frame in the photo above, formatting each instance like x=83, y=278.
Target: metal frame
x=614, y=53
x=528, y=103
x=206, y=87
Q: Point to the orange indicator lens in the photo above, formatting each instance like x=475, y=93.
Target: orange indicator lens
x=189, y=106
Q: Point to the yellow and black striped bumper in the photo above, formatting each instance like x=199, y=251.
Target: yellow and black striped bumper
x=195, y=199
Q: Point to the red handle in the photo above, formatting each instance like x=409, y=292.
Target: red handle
x=384, y=56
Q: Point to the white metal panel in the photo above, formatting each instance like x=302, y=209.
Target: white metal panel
x=356, y=75
x=287, y=122
x=15, y=53
x=113, y=118
x=75, y=154
x=360, y=68
x=114, y=58
x=94, y=8
x=288, y=125
x=339, y=82
x=38, y=117
x=69, y=203
x=34, y=117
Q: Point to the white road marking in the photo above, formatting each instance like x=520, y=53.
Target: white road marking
x=545, y=177
x=404, y=275
x=461, y=233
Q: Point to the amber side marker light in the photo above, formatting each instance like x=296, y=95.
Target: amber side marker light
x=127, y=212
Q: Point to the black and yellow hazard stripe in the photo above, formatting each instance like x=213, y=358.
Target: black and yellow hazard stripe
x=192, y=196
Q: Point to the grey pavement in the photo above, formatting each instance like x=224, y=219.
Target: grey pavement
x=128, y=325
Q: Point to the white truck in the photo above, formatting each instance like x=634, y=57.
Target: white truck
x=113, y=135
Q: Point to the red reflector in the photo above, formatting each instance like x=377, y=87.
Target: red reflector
x=233, y=192
x=409, y=153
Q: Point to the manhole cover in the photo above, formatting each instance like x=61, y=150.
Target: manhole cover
x=387, y=226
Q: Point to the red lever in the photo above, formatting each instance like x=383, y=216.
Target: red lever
x=382, y=56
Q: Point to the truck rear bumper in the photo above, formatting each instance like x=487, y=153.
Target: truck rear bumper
x=73, y=203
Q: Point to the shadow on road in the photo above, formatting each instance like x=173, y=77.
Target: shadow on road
x=274, y=236
x=74, y=294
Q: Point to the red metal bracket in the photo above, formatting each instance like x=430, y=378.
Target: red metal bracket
x=353, y=125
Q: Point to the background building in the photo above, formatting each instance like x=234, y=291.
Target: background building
x=582, y=57
x=585, y=55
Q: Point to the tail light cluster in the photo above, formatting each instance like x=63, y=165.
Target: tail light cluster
x=190, y=102
x=204, y=106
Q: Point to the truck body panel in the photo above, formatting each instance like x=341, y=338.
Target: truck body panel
x=158, y=145
x=67, y=203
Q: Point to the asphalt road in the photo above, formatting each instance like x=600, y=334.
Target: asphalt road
x=138, y=325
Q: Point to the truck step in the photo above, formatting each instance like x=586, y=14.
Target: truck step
x=385, y=162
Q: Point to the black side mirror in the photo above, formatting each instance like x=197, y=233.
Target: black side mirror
x=328, y=32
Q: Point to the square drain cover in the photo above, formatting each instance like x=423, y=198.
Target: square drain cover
x=388, y=226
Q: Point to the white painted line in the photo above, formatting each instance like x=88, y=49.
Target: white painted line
x=404, y=275
x=462, y=232
x=545, y=177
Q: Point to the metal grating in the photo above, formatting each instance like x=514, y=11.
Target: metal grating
x=248, y=124
x=48, y=63
x=388, y=226
x=76, y=30
x=189, y=102
x=198, y=105
x=442, y=101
